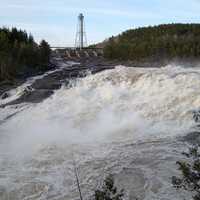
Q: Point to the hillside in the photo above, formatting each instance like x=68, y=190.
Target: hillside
x=19, y=53
x=158, y=42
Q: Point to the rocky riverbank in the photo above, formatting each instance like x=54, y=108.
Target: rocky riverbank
x=57, y=75
x=20, y=78
x=61, y=73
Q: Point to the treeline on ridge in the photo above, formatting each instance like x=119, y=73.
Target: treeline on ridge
x=19, y=53
x=158, y=42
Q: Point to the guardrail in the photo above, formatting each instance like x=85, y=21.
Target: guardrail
x=75, y=48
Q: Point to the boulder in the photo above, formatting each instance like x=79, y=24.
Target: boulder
x=35, y=96
x=4, y=95
x=48, y=83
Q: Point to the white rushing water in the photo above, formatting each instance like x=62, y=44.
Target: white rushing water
x=123, y=121
x=17, y=92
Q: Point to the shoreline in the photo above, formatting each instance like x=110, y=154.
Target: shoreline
x=45, y=86
x=7, y=85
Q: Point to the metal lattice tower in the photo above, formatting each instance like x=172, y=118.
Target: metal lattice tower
x=81, y=39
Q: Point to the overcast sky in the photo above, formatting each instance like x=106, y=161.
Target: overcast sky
x=56, y=20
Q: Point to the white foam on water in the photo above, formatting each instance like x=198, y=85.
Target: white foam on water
x=97, y=115
x=15, y=93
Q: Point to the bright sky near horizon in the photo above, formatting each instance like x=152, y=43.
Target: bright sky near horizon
x=56, y=20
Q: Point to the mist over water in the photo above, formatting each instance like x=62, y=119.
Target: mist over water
x=123, y=121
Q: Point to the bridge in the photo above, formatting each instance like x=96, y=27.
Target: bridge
x=80, y=50
x=73, y=52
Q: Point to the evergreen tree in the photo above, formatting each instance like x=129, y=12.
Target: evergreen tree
x=109, y=191
x=44, y=51
x=19, y=51
x=164, y=41
x=190, y=169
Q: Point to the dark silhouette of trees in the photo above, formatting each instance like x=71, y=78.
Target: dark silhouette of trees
x=19, y=52
x=163, y=41
x=109, y=191
x=44, y=51
x=190, y=169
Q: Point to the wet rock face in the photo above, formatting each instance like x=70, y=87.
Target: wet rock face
x=192, y=138
x=44, y=87
x=35, y=96
x=4, y=95
x=47, y=84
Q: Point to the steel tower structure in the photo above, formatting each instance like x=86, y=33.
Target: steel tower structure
x=81, y=39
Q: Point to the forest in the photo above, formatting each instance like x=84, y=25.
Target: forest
x=157, y=42
x=20, y=54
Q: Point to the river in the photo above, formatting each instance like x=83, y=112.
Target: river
x=125, y=121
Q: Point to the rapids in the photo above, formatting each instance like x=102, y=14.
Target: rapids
x=124, y=121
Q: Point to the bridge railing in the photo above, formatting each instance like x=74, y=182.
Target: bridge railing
x=75, y=48
x=70, y=52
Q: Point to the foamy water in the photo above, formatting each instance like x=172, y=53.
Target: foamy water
x=122, y=121
x=17, y=92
